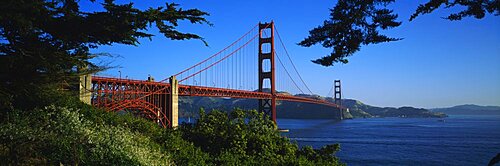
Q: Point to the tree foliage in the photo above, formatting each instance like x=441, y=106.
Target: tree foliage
x=353, y=23
x=60, y=135
x=44, y=42
x=77, y=134
x=250, y=138
x=473, y=8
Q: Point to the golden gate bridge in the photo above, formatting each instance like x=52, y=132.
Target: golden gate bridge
x=228, y=73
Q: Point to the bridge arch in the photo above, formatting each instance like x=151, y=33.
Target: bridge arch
x=145, y=109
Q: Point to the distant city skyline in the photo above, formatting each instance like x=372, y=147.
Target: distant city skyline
x=439, y=63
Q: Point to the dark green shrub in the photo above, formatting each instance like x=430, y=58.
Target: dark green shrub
x=249, y=138
x=82, y=134
x=54, y=135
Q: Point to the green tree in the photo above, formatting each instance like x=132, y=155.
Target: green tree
x=60, y=135
x=250, y=138
x=44, y=42
x=473, y=8
x=353, y=23
x=80, y=134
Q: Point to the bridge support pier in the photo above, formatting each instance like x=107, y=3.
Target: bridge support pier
x=173, y=103
x=85, y=88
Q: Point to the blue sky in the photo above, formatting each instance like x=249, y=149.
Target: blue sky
x=439, y=63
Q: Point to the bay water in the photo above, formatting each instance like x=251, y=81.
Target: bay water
x=456, y=140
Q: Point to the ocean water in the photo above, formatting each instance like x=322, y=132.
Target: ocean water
x=459, y=140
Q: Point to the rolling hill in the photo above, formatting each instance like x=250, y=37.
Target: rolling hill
x=469, y=109
x=189, y=106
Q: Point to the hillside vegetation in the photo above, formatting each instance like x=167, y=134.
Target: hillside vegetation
x=469, y=109
x=72, y=133
x=359, y=109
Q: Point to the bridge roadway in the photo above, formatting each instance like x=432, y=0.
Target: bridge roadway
x=140, y=88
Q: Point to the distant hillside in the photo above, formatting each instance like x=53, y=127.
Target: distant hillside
x=469, y=109
x=189, y=106
x=359, y=109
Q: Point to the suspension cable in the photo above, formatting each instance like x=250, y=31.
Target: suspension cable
x=214, y=54
x=225, y=57
x=279, y=60
x=288, y=55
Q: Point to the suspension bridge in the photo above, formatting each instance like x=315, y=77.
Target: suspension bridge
x=229, y=73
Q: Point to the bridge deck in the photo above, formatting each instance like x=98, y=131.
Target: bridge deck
x=140, y=88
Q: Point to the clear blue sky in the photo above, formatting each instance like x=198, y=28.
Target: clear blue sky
x=439, y=63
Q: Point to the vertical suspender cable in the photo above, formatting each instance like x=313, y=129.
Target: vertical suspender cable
x=288, y=55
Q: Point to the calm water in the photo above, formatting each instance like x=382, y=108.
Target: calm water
x=460, y=140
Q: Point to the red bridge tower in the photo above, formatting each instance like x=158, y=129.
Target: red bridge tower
x=338, y=97
x=266, y=56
